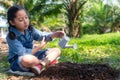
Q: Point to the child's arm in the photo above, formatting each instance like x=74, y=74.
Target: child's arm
x=38, y=35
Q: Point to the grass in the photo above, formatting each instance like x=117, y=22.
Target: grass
x=3, y=66
x=95, y=48
x=104, y=49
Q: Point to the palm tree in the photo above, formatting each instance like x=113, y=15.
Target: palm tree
x=115, y=7
x=101, y=15
x=74, y=14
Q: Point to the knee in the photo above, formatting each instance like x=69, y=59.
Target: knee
x=58, y=51
x=29, y=60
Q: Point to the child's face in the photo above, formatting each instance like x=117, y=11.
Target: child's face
x=21, y=21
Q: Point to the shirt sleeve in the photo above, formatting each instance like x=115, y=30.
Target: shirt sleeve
x=16, y=47
x=38, y=35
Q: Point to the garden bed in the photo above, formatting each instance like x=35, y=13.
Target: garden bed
x=75, y=71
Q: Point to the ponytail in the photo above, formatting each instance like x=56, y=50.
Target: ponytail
x=11, y=34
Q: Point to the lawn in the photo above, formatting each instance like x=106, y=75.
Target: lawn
x=95, y=48
x=104, y=49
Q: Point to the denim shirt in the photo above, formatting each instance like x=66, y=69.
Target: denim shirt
x=23, y=44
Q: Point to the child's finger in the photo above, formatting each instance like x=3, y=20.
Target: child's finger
x=43, y=39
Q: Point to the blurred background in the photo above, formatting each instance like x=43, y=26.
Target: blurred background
x=75, y=17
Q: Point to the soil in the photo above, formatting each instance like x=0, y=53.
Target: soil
x=3, y=45
x=75, y=71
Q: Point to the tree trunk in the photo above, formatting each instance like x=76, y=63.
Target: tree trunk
x=74, y=29
x=73, y=9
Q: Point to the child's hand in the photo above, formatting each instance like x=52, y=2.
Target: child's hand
x=57, y=34
x=43, y=42
x=40, y=46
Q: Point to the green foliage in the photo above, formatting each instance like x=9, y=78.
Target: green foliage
x=54, y=22
x=93, y=49
x=41, y=9
x=102, y=16
x=3, y=66
x=93, y=15
x=37, y=9
x=73, y=12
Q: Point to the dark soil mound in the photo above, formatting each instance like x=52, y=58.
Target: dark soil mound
x=74, y=71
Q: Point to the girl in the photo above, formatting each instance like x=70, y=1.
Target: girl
x=22, y=55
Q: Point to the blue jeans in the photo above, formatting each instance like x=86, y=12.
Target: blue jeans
x=17, y=66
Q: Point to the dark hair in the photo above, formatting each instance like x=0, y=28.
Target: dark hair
x=11, y=14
